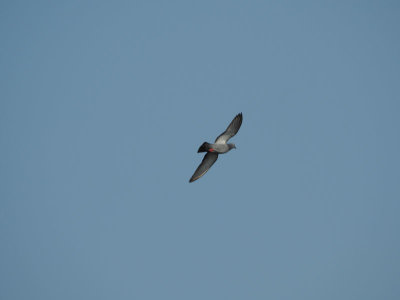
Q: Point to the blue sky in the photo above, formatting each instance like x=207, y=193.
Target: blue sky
x=104, y=105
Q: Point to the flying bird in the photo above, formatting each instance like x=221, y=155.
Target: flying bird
x=220, y=146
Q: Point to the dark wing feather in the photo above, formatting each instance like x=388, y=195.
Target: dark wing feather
x=208, y=160
x=232, y=129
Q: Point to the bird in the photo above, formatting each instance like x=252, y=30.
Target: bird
x=220, y=146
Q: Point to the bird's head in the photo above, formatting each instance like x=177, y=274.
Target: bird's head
x=232, y=146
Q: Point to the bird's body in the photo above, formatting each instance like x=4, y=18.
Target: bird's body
x=220, y=146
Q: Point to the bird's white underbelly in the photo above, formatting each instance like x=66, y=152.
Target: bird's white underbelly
x=221, y=148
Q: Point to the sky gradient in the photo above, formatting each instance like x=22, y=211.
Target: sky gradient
x=104, y=105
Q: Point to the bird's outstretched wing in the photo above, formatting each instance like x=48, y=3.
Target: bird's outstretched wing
x=208, y=160
x=232, y=129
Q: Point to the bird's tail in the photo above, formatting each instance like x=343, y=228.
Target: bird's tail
x=204, y=147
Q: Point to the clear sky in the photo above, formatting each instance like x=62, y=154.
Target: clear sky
x=103, y=105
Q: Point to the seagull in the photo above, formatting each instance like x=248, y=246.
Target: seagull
x=219, y=147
